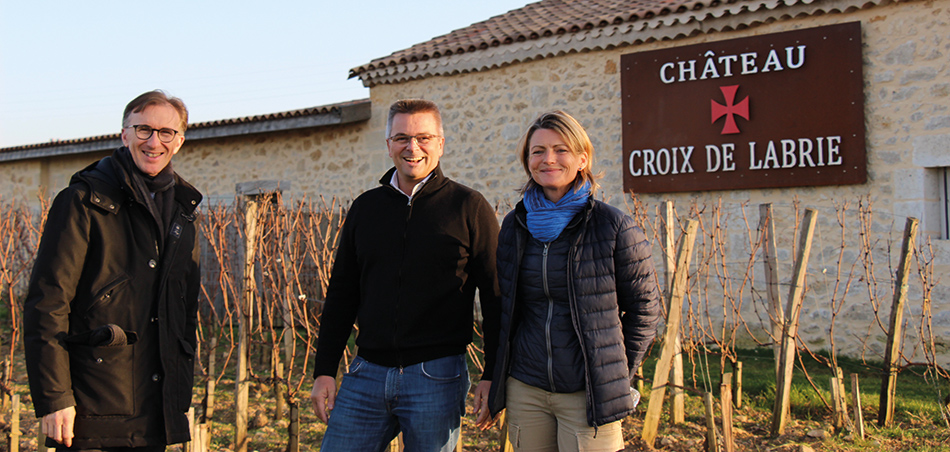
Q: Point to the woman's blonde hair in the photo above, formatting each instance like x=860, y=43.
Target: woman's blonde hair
x=573, y=135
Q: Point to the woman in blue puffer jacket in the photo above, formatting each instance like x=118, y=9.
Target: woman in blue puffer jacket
x=579, y=298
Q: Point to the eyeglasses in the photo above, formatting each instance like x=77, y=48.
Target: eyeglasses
x=144, y=132
x=404, y=140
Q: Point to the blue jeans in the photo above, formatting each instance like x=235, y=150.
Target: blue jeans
x=424, y=401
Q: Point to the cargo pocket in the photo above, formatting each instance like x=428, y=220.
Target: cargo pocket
x=514, y=435
x=186, y=375
x=609, y=438
x=102, y=379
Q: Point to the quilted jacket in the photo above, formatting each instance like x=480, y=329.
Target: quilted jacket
x=613, y=298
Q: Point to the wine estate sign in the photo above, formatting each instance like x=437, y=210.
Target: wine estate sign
x=778, y=110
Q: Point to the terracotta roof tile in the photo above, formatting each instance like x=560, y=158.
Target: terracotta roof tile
x=534, y=21
x=553, y=27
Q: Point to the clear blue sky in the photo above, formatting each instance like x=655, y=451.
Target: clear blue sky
x=67, y=68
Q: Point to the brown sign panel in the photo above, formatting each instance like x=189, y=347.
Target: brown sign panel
x=778, y=110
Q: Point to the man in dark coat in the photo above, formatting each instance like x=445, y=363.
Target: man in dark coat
x=111, y=311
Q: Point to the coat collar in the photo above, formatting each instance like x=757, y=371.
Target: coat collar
x=108, y=189
x=186, y=195
x=436, y=181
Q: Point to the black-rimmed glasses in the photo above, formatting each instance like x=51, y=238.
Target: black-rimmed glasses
x=144, y=132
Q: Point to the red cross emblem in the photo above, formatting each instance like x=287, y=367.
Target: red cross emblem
x=730, y=110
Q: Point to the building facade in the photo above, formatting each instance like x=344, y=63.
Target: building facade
x=492, y=78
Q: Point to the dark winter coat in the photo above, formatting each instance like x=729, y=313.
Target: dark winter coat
x=613, y=297
x=100, y=263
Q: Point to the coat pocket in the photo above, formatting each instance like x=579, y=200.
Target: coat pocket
x=103, y=296
x=102, y=379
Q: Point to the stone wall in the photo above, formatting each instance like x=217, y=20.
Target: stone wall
x=20, y=181
x=333, y=161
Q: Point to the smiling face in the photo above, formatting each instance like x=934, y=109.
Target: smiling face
x=552, y=163
x=414, y=162
x=151, y=156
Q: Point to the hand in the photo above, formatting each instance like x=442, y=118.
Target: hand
x=323, y=396
x=483, y=419
x=58, y=426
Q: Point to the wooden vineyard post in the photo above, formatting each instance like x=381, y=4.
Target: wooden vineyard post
x=856, y=401
x=725, y=397
x=293, y=429
x=842, y=393
x=737, y=384
x=712, y=439
x=244, y=325
x=200, y=442
x=796, y=293
x=280, y=392
x=837, y=421
x=253, y=193
x=776, y=313
x=678, y=415
x=189, y=446
x=14, y=444
x=396, y=445
x=204, y=428
x=284, y=360
x=209, y=385
x=892, y=351
x=674, y=315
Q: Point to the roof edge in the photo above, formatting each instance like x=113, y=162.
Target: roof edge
x=334, y=114
x=726, y=16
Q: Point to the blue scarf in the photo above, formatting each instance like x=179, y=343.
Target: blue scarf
x=547, y=219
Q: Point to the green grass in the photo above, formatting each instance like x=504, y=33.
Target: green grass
x=916, y=388
x=917, y=425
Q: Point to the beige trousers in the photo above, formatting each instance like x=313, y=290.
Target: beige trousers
x=541, y=421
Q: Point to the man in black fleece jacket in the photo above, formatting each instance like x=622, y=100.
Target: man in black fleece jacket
x=412, y=254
